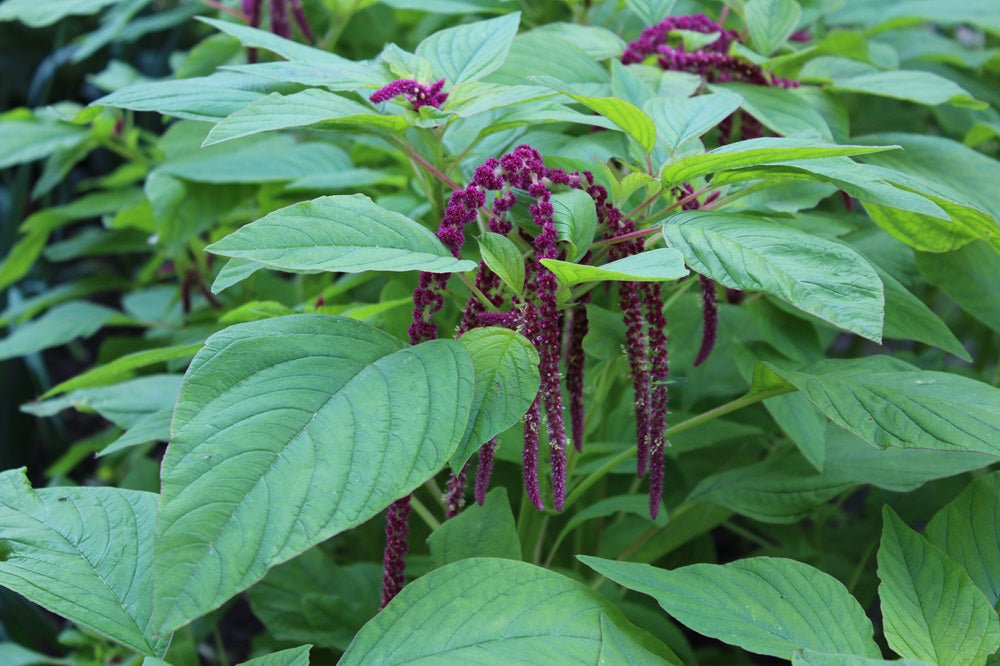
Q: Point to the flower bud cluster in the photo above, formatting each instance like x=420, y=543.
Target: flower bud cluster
x=417, y=94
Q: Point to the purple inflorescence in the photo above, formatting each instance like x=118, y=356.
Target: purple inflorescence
x=455, y=497
x=484, y=470
x=577, y=326
x=397, y=528
x=710, y=316
x=417, y=94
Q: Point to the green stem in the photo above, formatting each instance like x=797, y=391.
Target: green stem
x=424, y=513
x=710, y=415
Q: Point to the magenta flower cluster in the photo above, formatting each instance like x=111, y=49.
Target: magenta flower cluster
x=417, y=94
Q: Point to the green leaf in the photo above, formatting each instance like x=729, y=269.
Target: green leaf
x=307, y=108
x=968, y=530
x=888, y=402
x=286, y=48
x=770, y=22
x=122, y=367
x=209, y=98
x=909, y=85
x=341, y=233
x=651, y=11
x=281, y=439
x=346, y=76
x=766, y=150
x=85, y=553
x=812, y=658
x=575, y=219
x=658, y=265
x=298, y=656
x=478, y=531
x=493, y=611
x=234, y=272
x=471, y=51
x=24, y=141
x=503, y=258
x=931, y=608
x=961, y=274
x=40, y=13
x=765, y=605
x=907, y=318
x=313, y=599
x=616, y=648
x=783, y=111
x=626, y=116
x=12, y=654
x=124, y=403
x=821, y=277
x=507, y=382
x=955, y=172
x=63, y=323
x=682, y=119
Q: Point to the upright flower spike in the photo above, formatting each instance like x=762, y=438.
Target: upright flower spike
x=416, y=94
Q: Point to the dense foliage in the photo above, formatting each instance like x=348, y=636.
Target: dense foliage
x=648, y=331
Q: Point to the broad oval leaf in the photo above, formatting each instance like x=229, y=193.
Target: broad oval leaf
x=507, y=382
x=657, y=265
x=63, y=323
x=910, y=85
x=821, y=277
x=485, y=610
x=503, y=258
x=931, y=608
x=887, y=402
x=784, y=111
x=208, y=98
x=288, y=431
x=766, y=605
x=471, y=51
x=84, y=553
x=342, y=233
x=813, y=658
x=968, y=530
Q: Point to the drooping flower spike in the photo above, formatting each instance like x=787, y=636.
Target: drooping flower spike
x=535, y=313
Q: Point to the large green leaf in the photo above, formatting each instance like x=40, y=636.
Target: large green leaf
x=765, y=605
x=910, y=85
x=968, y=530
x=767, y=150
x=961, y=274
x=312, y=599
x=682, y=119
x=288, y=431
x=770, y=22
x=208, y=98
x=907, y=318
x=479, y=531
x=306, y=108
x=817, y=276
x=888, y=402
x=342, y=233
x=812, y=658
x=507, y=382
x=286, y=48
x=61, y=324
x=123, y=403
x=658, y=265
x=84, y=553
x=485, y=610
x=931, y=608
x=121, y=367
x=471, y=51
x=625, y=115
